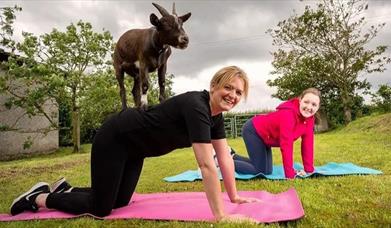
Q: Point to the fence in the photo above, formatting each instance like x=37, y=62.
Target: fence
x=233, y=125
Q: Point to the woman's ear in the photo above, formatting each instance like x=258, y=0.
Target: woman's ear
x=212, y=88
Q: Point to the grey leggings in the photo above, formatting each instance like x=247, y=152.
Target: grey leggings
x=260, y=156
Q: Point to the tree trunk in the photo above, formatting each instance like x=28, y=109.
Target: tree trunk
x=347, y=114
x=322, y=123
x=76, y=131
x=347, y=111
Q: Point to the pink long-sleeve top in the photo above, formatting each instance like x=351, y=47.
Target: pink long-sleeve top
x=282, y=127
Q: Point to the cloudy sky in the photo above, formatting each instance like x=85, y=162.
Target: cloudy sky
x=221, y=33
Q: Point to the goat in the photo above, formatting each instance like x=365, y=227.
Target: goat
x=141, y=51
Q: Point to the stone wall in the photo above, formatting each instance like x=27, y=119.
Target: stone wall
x=25, y=129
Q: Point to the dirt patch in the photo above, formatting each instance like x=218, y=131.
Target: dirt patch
x=14, y=171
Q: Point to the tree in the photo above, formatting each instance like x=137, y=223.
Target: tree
x=98, y=102
x=326, y=48
x=153, y=93
x=7, y=48
x=69, y=68
x=102, y=99
x=7, y=18
x=382, y=98
x=56, y=66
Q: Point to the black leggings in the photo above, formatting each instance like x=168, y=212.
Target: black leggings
x=114, y=176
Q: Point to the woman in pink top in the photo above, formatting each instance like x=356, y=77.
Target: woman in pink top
x=292, y=119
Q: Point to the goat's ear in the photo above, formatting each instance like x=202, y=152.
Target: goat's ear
x=185, y=17
x=154, y=19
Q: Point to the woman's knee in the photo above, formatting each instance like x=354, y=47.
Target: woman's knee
x=102, y=207
x=268, y=171
x=264, y=167
x=121, y=203
x=102, y=212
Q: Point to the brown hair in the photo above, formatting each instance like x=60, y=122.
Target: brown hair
x=314, y=91
x=226, y=74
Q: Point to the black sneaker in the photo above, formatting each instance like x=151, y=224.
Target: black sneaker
x=60, y=185
x=232, y=152
x=26, y=201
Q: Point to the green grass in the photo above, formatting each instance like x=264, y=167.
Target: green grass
x=344, y=201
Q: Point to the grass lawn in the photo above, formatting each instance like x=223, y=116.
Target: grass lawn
x=343, y=201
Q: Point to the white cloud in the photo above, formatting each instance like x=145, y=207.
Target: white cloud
x=126, y=24
x=231, y=35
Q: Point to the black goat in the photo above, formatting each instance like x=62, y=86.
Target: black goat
x=141, y=51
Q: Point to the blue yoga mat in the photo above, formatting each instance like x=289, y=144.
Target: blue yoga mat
x=329, y=169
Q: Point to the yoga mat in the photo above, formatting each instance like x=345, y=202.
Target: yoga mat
x=190, y=206
x=329, y=169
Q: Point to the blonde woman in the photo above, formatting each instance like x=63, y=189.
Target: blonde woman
x=191, y=119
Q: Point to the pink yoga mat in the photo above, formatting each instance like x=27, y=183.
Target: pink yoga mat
x=191, y=206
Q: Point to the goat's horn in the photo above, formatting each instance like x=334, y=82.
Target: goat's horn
x=162, y=11
x=173, y=9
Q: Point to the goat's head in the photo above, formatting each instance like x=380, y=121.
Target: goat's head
x=170, y=27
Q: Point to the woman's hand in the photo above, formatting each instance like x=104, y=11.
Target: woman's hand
x=240, y=200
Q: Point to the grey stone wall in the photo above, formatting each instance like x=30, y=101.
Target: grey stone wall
x=24, y=129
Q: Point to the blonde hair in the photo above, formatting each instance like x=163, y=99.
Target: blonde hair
x=226, y=74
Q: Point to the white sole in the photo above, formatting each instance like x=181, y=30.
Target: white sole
x=37, y=185
x=55, y=185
